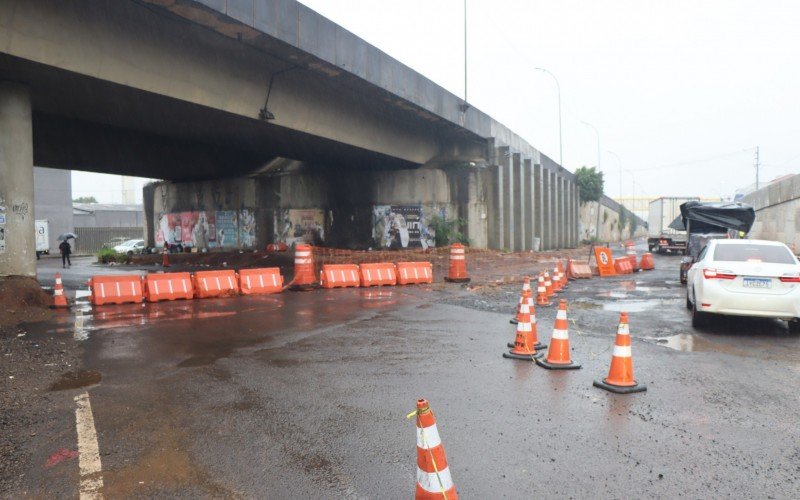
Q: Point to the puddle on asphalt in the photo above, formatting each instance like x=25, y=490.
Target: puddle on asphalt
x=631, y=305
x=687, y=342
x=76, y=380
x=613, y=295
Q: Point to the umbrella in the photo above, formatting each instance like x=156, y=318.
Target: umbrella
x=66, y=236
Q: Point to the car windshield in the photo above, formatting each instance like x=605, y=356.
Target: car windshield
x=771, y=254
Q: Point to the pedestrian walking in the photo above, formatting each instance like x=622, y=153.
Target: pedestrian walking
x=66, y=250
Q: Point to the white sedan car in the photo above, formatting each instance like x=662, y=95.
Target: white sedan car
x=745, y=278
x=130, y=247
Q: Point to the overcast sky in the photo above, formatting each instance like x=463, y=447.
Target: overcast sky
x=681, y=91
x=665, y=82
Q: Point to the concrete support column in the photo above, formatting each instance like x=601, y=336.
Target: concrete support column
x=507, y=166
x=495, y=215
x=565, y=220
x=519, y=203
x=17, y=241
x=538, y=203
x=548, y=210
x=475, y=208
x=577, y=202
x=552, y=210
x=558, y=214
x=527, y=208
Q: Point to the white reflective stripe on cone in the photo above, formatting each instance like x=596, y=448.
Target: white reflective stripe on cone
x=302, y=254
x=431, y=437
x=623, y=329
x=523, y=326
x=622, y=351
x=58, y=291
x=433, y=482
x=560, y=334
x=58, y=281
x=457, y=250
x=456, y=257
x=561, y=314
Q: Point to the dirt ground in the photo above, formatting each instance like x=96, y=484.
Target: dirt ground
x=22, y=299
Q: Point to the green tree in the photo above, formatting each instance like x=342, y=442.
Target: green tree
x=85, y=199
x=590, y=183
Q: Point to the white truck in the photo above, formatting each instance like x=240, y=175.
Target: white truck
x=660, y=237
x=42, y=237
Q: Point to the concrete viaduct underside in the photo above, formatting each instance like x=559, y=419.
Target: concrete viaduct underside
x=197, y=91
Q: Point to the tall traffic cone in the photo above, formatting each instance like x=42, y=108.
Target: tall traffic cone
x=165, y=258
x=458, y=265
x=526, y=294
x=558, y=356
x=433, y=474
x=562, y=274
x=548, y=285
x=59, y=299
x=620, y=376
x=304, y=278
x=558, y=285
x=541, y=293
x=525, y=343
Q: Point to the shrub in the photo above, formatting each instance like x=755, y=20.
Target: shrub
x=447, y=231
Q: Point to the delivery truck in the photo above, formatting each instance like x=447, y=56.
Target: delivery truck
x=42, y=237
x=660, y=237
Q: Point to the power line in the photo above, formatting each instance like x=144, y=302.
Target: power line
x=694, y=162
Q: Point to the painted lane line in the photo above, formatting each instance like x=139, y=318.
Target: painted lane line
x=88, y=449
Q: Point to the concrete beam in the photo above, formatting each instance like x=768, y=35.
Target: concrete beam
x=17, y=233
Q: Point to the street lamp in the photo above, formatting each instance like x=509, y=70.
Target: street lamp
x=560, y=130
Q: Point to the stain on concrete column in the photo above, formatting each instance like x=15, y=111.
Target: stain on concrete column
x=519, y=203
x=506, y=165
x=17, y=233
x=547, y=227
x=495, y=216
x=527, y=209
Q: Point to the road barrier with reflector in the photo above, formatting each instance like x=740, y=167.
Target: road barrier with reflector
x=168, y=286
x=339, y=276
x=260, y=281
x=412, y=273
x=215, y=284
x=623, y=266
x=378, y=274
x=116, y=289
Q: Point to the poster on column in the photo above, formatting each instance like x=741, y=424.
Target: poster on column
x=401, y=226
x=226, y=224
x=300, y=226
x=247, y=228
x=169, y=230
x=189, y=229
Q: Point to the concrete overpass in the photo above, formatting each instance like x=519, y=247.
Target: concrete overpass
x=265, y=92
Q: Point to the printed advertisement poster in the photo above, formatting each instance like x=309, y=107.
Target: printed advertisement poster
x=2, y=239
x=169, y=229
x=300, y=226
x=227, y=228
x=247, y=228
x=401, y=226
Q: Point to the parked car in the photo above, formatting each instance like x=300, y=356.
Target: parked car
x=115, y=241
x=130, y=247
x=745, y=278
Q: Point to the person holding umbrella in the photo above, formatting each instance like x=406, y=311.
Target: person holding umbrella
x=65, y=249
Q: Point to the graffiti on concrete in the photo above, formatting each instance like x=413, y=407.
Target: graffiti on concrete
x=21, y=209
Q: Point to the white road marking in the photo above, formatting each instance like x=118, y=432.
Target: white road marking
x=88, y=449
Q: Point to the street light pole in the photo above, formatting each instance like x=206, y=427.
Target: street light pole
x=465, y=51
x=560, y=129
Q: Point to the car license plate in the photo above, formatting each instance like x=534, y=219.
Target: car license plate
x=757, y=282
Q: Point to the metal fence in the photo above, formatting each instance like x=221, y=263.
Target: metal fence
x=91, y=239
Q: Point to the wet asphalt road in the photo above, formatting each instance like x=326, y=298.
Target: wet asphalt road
x=305, y=394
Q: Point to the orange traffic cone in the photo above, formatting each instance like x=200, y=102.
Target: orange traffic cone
x=558, y=357
x=541, y=293
x=433, y=474
x=458, y=265
x=556, y=280
x=562, y=274
x=548, y=285
x=165, y=258
x=620, y=376
x=304, y=278
x=526, y=294
x=59, y=299
x=525, y=343
x=647, y=263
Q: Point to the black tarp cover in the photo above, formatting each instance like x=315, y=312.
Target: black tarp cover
x=726, y=215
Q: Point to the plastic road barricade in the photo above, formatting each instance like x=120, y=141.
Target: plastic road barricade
x=411, y=273
x=116, y=289
x=339, y=276
x=623, y=266
x=168, y=286
x=215, y=284
x=260, y=281
x=377, y=274
x=605, y=262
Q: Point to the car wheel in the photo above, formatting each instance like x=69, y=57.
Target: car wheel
x=688, y=302
x=699, y=319
x=794, y=326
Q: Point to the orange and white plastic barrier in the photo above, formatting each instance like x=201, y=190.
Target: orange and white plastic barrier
x=458, y=264
x=558, y=355
x=620, y=376
x=623, y=266
x=412, y=273
x=434, y=481
x=304, y=278
x=605, y=261
x=378, y=274
x=168, y=286
x=215, y=284
x=59, y=299
x=647, y=263
x=577, y=270
x=260, y=281
x=116, y=289
x=340, y=276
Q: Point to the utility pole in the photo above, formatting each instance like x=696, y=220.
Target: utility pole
x=758, y=164
x=465, y=51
